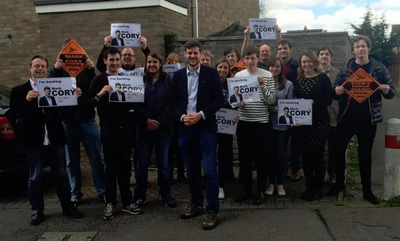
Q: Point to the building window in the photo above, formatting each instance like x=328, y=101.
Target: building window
x=182, y=3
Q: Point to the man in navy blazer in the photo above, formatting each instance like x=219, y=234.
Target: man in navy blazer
x=196, y=97
x=117, y=41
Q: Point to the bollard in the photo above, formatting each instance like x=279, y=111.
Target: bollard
x=392, y=159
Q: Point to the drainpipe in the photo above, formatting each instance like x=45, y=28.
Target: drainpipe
x=195, y=18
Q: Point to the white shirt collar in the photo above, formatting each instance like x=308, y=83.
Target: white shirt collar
x=33, y=84
x=197, y=71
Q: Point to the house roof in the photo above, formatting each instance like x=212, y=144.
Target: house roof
x=234, y=30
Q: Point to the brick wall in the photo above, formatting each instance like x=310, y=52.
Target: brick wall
x=339, y=42
x=217, y=15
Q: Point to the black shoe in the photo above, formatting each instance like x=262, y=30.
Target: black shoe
x=76, y=202
x=334, y=191
x=211, y=221
x=73, y=213
x=243, y=196
x=192, y=211
x=306, y=194
x=315, y=195
x=37, y=218
x=168, y=201
x=370, y=197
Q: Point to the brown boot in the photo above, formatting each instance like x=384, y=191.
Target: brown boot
x=259, y=198
x=211, y=221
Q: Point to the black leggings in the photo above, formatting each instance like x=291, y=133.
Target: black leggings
x=313, y=165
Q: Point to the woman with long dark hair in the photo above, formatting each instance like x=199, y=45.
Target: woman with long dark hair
x=316, y=86
x=279, y=133
x=225, y=141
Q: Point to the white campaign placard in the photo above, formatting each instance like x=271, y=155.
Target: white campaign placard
x=171, y=68
x=243, y=90
x=126, y=89
x=57, y=92
x=262, y=28
x=125, y=34
x=226, y=121
x=291, y=112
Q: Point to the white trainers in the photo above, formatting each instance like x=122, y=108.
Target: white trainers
x=270, y=189
x=281, y=190
x=221, y=194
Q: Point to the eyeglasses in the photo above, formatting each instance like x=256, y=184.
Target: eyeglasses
x=128, y=55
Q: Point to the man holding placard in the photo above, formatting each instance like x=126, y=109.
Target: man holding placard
x=80, y=126
x=115, y=136
x=253, y=127
x=359, y=89
x=41, y=133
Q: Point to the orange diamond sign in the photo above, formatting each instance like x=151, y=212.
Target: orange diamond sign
x=240, y=65
x=74, y=58
x=361, y=85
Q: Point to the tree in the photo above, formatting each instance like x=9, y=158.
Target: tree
x=377, y=31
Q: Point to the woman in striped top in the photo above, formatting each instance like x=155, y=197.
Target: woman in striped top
x=253, y=128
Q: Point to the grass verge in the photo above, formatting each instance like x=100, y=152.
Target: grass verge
x=353, y=179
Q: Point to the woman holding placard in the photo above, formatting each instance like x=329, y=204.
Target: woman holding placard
x=225, y=141
x=316, y=86
x=279, y=133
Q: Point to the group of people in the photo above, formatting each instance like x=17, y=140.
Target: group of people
x=178, y=119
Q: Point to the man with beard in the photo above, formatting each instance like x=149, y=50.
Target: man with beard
x=265, y=51
x=197, y=96
x=115, y=137
x=155, y=129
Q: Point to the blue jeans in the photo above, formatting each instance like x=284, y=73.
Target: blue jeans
x=161, y=143
x=196, y=145
x=87, y=133
x=55, y=155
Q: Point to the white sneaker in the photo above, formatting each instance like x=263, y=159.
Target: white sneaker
x=281, y=191
x=221, y=194
x=270, y=190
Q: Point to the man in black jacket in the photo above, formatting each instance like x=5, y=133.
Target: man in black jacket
x=41, y=133
x=155, y=128
x=359, y=119
x=80, y=126
x=115, y=137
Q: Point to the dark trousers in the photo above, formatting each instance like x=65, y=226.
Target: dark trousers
x=277, y=166
x=313, y=165
x=331, y=151
x=117, y=149
x=365, y=136
x=225, y=158
x=55, y=155
x=174, y=154
x=196, y=145
x=295, y=148
x=147, y=142
x=252, y=142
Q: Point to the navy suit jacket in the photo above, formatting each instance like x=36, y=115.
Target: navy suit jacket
x=233, y=98
x=114, y=96
x=43, y=101
x=115, y=42
x=209, y=98
x=282, y=120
